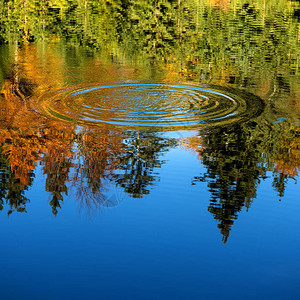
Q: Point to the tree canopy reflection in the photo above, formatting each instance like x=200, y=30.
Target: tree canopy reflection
x=251, y=45
x=84, y=160
x=234, y=168
x=238, y=158
x=142, y=155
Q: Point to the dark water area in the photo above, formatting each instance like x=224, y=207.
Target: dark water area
x=150, y=149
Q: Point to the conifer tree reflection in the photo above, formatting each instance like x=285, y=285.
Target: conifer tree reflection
x=234, y=165
x=57, y=170
x=11, y=189
x=279, y=183
x=138, y=163
x=284, y=152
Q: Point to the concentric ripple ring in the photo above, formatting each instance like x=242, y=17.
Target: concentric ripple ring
x=165, y=106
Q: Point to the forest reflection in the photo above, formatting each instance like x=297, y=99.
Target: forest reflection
x=83, y=157
x=239, y=157
x=236, y=157
x=239, y=44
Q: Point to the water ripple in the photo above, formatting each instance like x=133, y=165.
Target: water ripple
x=164, y=106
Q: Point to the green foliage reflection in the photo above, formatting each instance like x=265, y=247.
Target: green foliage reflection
x=238, y=158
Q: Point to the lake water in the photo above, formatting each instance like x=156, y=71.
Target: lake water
x=150, y=150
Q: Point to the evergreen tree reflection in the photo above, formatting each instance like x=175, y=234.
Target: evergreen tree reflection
x=11, y=189
x=138, y=162
x=234, y=166
x=56, y=168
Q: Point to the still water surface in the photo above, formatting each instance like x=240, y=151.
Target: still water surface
x=140, y=171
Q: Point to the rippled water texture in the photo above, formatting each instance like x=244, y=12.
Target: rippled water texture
x=150, y=105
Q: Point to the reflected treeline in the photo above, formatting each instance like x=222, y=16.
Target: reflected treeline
x=228, y=32
x=252, y=45
x=11, y=189
x=238, y=157
x=88, y=161
x=248, y=44
x=220, y=30
x=81, y=160
x=84, y=160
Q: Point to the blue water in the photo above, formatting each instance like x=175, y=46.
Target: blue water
x=164, y=246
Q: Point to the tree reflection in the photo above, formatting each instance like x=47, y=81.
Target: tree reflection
x=98, y=152
x=237, y=158
x=89, y=161
x=84, y=161
x=223, y=42
x=284, y=147
x=141, y=156
x=57, y=161
x=11, y=189
x=234, y=166
x=18, y=149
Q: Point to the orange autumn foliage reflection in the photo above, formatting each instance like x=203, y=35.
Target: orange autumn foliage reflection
x=193, y=144
x=287, y=158
x=28, y=139
x=222, y=4
x=20, y=143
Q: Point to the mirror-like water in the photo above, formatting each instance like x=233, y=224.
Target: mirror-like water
x=150, y=149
